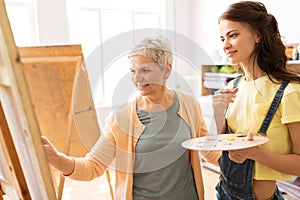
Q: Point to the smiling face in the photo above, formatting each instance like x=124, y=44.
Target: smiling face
x=238, y=41
x=148, y=76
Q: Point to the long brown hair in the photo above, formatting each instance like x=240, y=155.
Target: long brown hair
x=270, y=50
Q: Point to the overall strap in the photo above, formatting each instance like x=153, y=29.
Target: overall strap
x=235, y=83
x=272, y=109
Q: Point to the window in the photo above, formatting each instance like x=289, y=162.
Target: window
x=23, y=25
x=98, y=26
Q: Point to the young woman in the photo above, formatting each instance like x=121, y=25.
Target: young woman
x=251, y=40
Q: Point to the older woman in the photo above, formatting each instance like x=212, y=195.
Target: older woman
x=142, y=139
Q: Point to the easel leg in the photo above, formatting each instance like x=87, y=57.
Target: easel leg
x=60, y=187
x=110, y=186
x=66, y=151
x=14, y=159
x=1, y=192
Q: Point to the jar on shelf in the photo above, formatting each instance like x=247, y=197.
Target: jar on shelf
x=295, y=53
x=289, y=52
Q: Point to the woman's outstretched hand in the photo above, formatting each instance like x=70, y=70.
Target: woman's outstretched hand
x=52, y=153
x=58, y=160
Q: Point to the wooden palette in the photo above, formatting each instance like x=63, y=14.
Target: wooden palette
x=223, y=142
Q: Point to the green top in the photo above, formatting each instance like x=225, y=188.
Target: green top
x=162, y=166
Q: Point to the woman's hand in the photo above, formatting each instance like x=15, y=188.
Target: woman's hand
x=220, y=101
x=58, y=160
x=239, y=156
x=52, y=153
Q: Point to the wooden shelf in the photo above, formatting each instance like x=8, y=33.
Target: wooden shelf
x=214, y=81
x=294, y=65
x=221, y=75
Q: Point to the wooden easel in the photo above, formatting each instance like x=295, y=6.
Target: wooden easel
x=20, y=133
x=43, y=91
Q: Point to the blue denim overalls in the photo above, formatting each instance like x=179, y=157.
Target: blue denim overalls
x=236, y=179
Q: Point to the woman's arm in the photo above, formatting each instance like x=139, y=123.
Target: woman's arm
x=285, y=163
x=58, y=160
x=93, y=164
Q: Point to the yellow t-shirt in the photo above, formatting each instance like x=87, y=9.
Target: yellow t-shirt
x=249, y=109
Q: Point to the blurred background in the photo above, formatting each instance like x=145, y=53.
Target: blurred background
x=93, y=22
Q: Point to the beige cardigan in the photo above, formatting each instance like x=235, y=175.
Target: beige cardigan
x=116, y=146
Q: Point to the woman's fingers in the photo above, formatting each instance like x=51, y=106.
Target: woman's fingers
x=45, y=140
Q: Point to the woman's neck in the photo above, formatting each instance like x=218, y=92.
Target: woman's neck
x=253, y=73
x=157, y=102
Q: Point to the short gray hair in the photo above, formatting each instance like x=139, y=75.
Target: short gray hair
x=158, y=49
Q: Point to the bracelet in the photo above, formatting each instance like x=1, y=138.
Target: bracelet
x=72, y=169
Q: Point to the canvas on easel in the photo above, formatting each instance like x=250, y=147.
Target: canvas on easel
x=20, y=133
x=60, y=90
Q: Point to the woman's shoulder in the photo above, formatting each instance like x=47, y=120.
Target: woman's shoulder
x=185, y=96
x=234, y=81
x=121, y=115
x=292, y=88
x=187, y=101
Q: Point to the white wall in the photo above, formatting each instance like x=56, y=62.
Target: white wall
x=287, y=14
x=195, y=19
x=52, y=22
